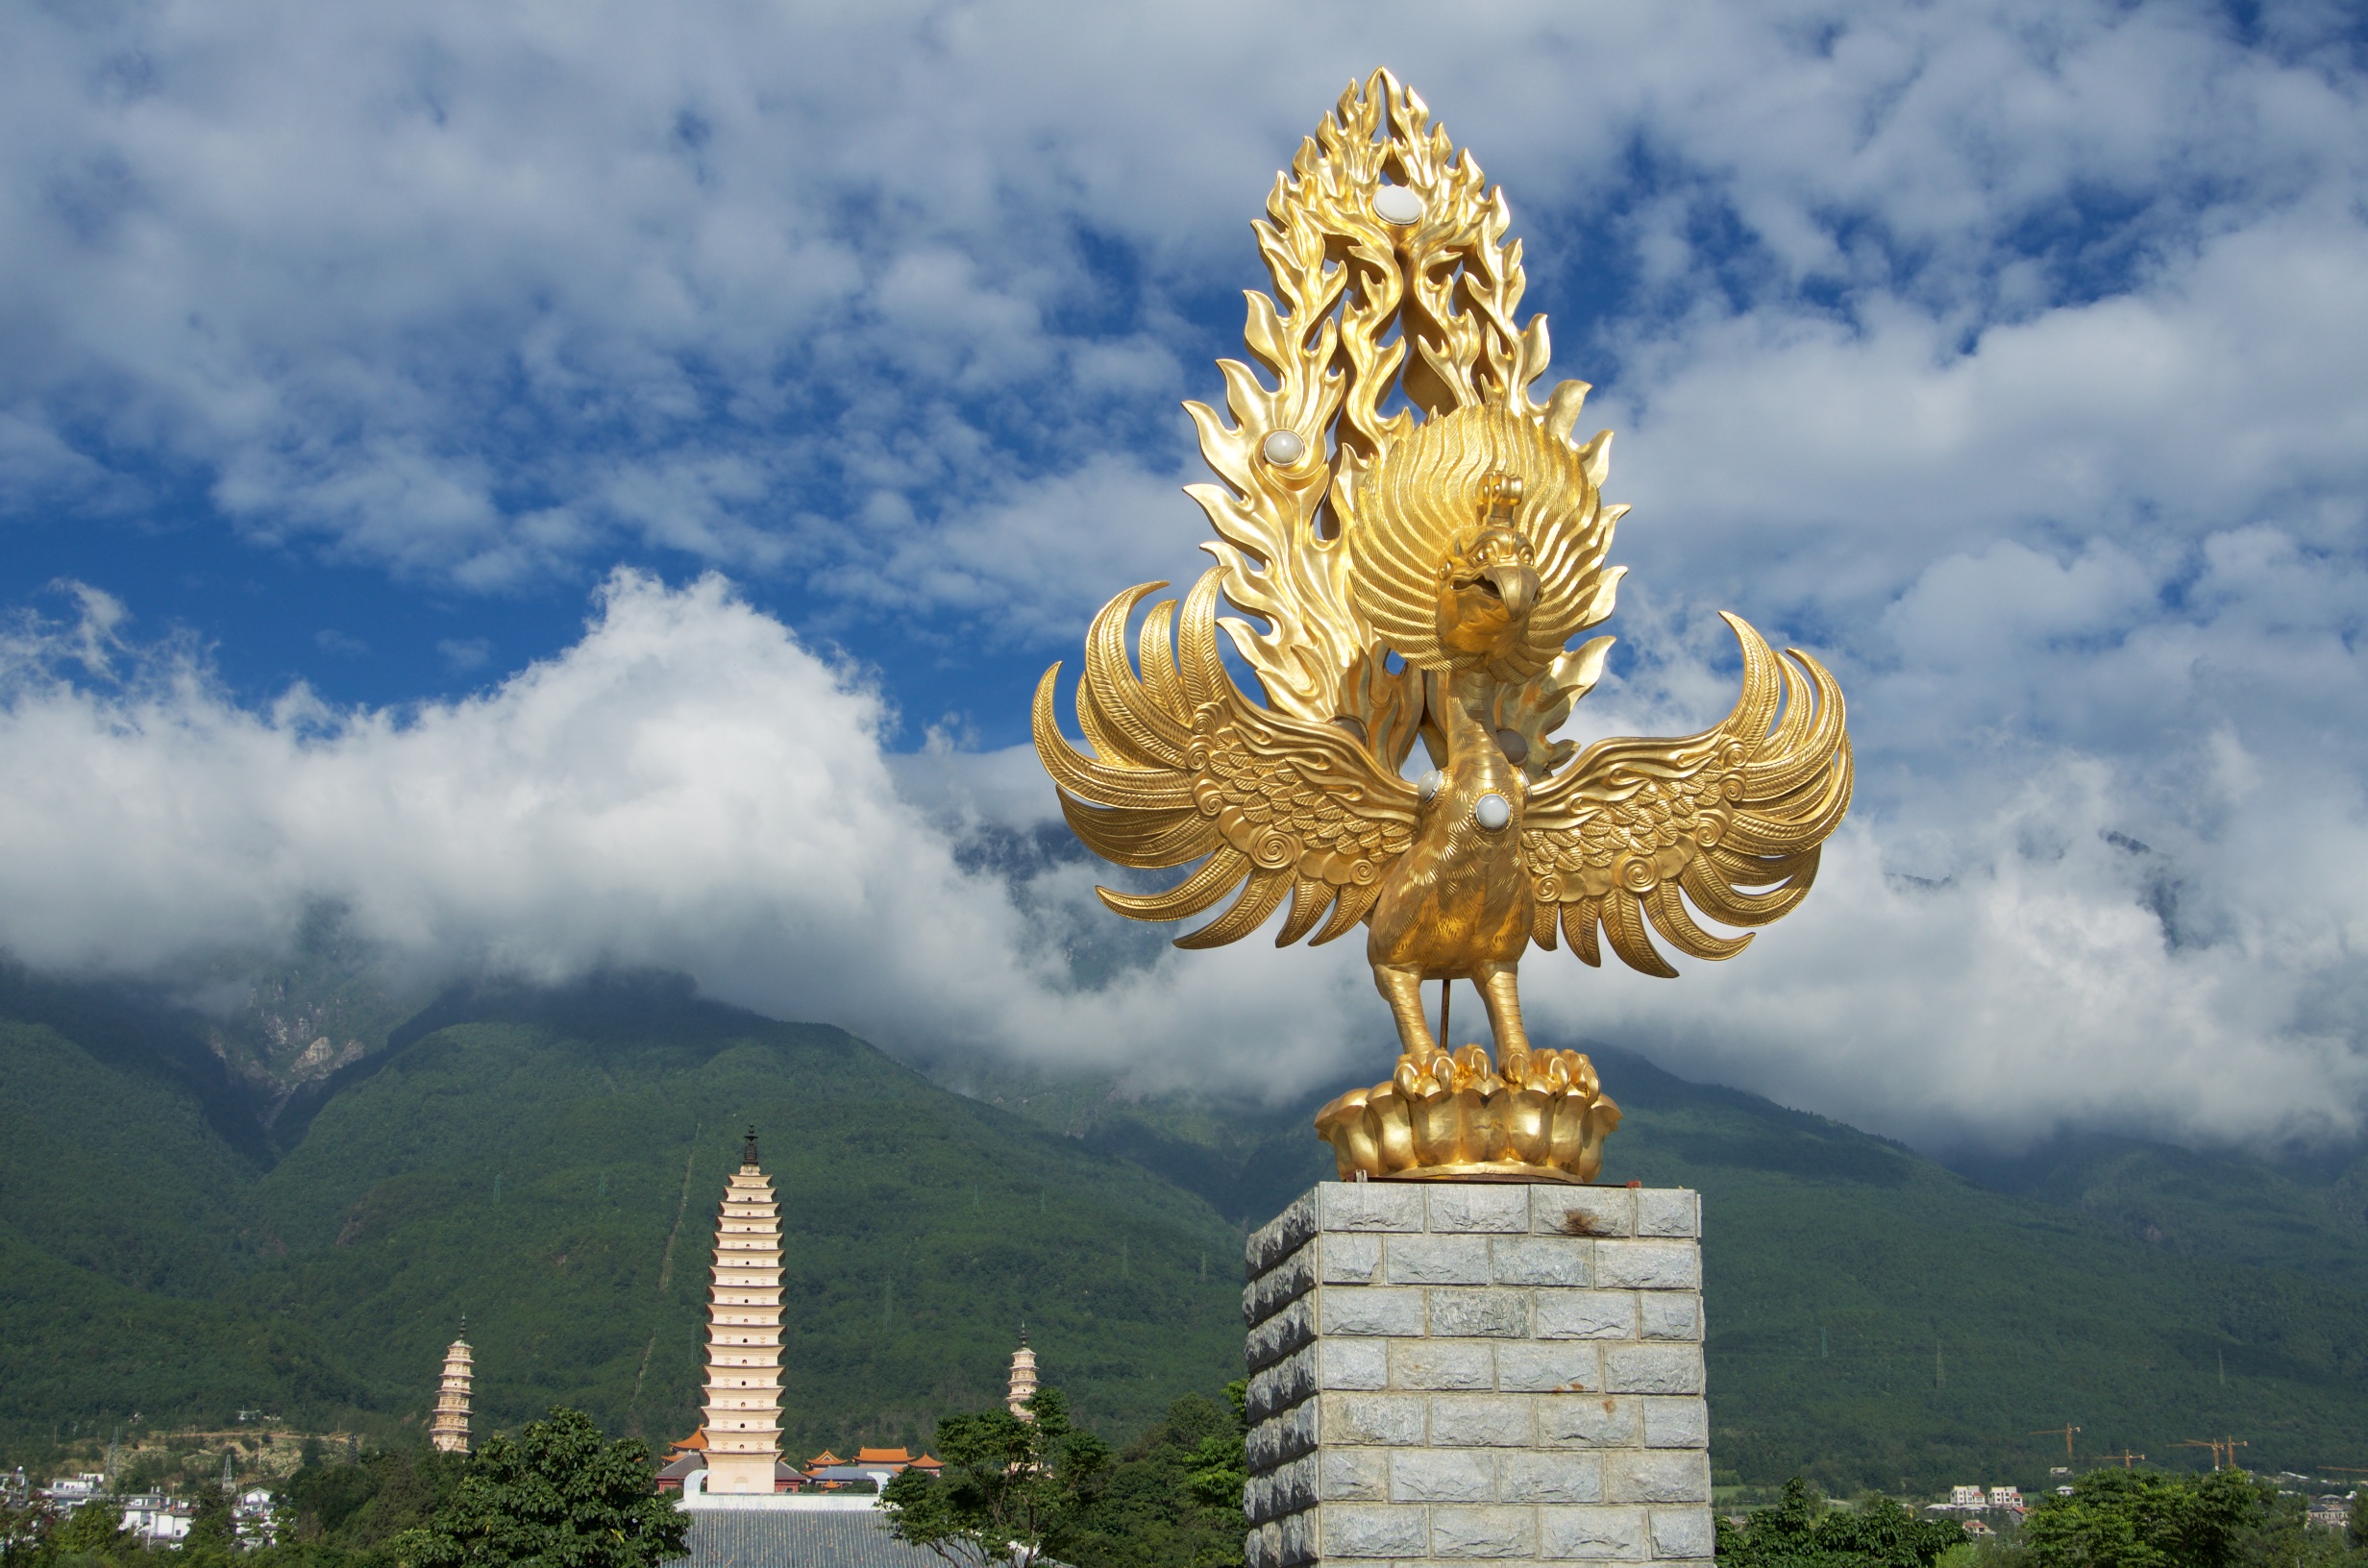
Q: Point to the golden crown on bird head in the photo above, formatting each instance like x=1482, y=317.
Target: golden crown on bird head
x=1421, y=574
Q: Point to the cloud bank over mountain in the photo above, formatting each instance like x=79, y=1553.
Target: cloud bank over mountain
x=2004, y=354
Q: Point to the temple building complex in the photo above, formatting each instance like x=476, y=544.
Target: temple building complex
x=748, y=1507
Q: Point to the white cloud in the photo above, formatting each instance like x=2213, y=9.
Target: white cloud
x=688, y=787
x=2004, y=352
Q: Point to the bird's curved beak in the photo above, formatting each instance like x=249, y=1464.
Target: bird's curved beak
x=1515, y=584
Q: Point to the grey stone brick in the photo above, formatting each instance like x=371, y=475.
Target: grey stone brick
x=1484, y=1533
x=1281, y=1285
x=1579, y=1531
x=1280, y=1335
x=1669, y=1211
x=1543, y=1260
x=1292, y=1487
x=1264, y=1446
x=1470, y=1314
x=1372, y=1530
x=1457, y=1208
x=1582, y=1211
x=1264, y=1549
x=1355, y=1363
x=1586, y=1314
x=1556, y=1367
x=1442, y=1475
x=1586, y=1421
x=1676, y=1423
x=1482, y=1420
x=1669, y=1475
x=1683, y=1534
x=1294, y=1433
x=1298, y=1543
x=1369, y=1308
x=1648, y=1265
x=1371, y=1206
x=1668, y=1315
x=1652, y=1369
x=1283, y=1385
x=1436, y=1260
x=1351, y=1259
x=1441, y=1364
x=1352, y=1475
x=1257, y=1500
x=1386, y=1420
x=1572, y=1476
x=1282, y=1236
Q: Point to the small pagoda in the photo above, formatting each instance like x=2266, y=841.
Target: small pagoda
x=744, y=1336
x=1022, y=1378
x=449, y=1431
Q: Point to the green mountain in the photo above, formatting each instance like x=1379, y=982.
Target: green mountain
x=549, y=1164
x=182, y=1235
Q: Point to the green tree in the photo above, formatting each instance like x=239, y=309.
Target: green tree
x=559, y=1495
x=1010, y=1486
x=2142, y=1519
x=1800, y=1532
x=1221, y=1461
x=96, y=1528
x=213, y=1530
x=1172, y=1498
x=25, y=1532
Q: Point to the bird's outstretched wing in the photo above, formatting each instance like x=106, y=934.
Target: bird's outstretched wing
x=1733, y=817
x=1184, y=766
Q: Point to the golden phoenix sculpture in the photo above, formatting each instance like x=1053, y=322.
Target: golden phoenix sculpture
x=1421, y=575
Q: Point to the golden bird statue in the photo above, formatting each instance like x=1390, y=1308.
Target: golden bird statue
x=1420, y=543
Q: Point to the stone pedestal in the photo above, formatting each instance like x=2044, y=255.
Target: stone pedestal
x=1450, y=1371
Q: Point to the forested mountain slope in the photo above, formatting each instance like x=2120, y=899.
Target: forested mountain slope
x=548, y=1163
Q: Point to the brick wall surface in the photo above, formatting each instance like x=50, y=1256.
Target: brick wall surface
x=1455, y=1371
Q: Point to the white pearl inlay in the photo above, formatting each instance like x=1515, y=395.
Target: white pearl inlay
x=1395, y=204
x=1284, y=448
x=1430, y=783
x=1491, y=811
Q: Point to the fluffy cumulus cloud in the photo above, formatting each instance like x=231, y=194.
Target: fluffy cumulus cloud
x=687, y=787
x=2002, y=352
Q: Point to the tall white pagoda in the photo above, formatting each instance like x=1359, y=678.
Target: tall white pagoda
x=1022, y=1378
x=449, y=1430
x=744, y=1336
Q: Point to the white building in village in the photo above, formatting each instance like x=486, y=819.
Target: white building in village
x=155, y=1519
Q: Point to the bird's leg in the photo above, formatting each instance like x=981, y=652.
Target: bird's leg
x=1402, y=985
x=1498, y=988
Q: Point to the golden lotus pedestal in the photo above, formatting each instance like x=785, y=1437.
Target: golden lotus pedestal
x=1456, y=1118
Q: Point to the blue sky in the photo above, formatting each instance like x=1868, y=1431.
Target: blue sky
x=459, y=461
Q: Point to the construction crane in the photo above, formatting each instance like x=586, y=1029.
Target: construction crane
x=2126, y=1458
x=2066, y=1432
x=2223, y=1448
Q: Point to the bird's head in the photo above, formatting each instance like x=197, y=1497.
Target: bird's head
x=1488, y=584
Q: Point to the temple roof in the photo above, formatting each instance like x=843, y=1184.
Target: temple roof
x=882, y=1456
x=754, y=1538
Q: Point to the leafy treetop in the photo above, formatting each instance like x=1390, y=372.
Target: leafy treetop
x=1009, y=1484
x=559, y=1495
